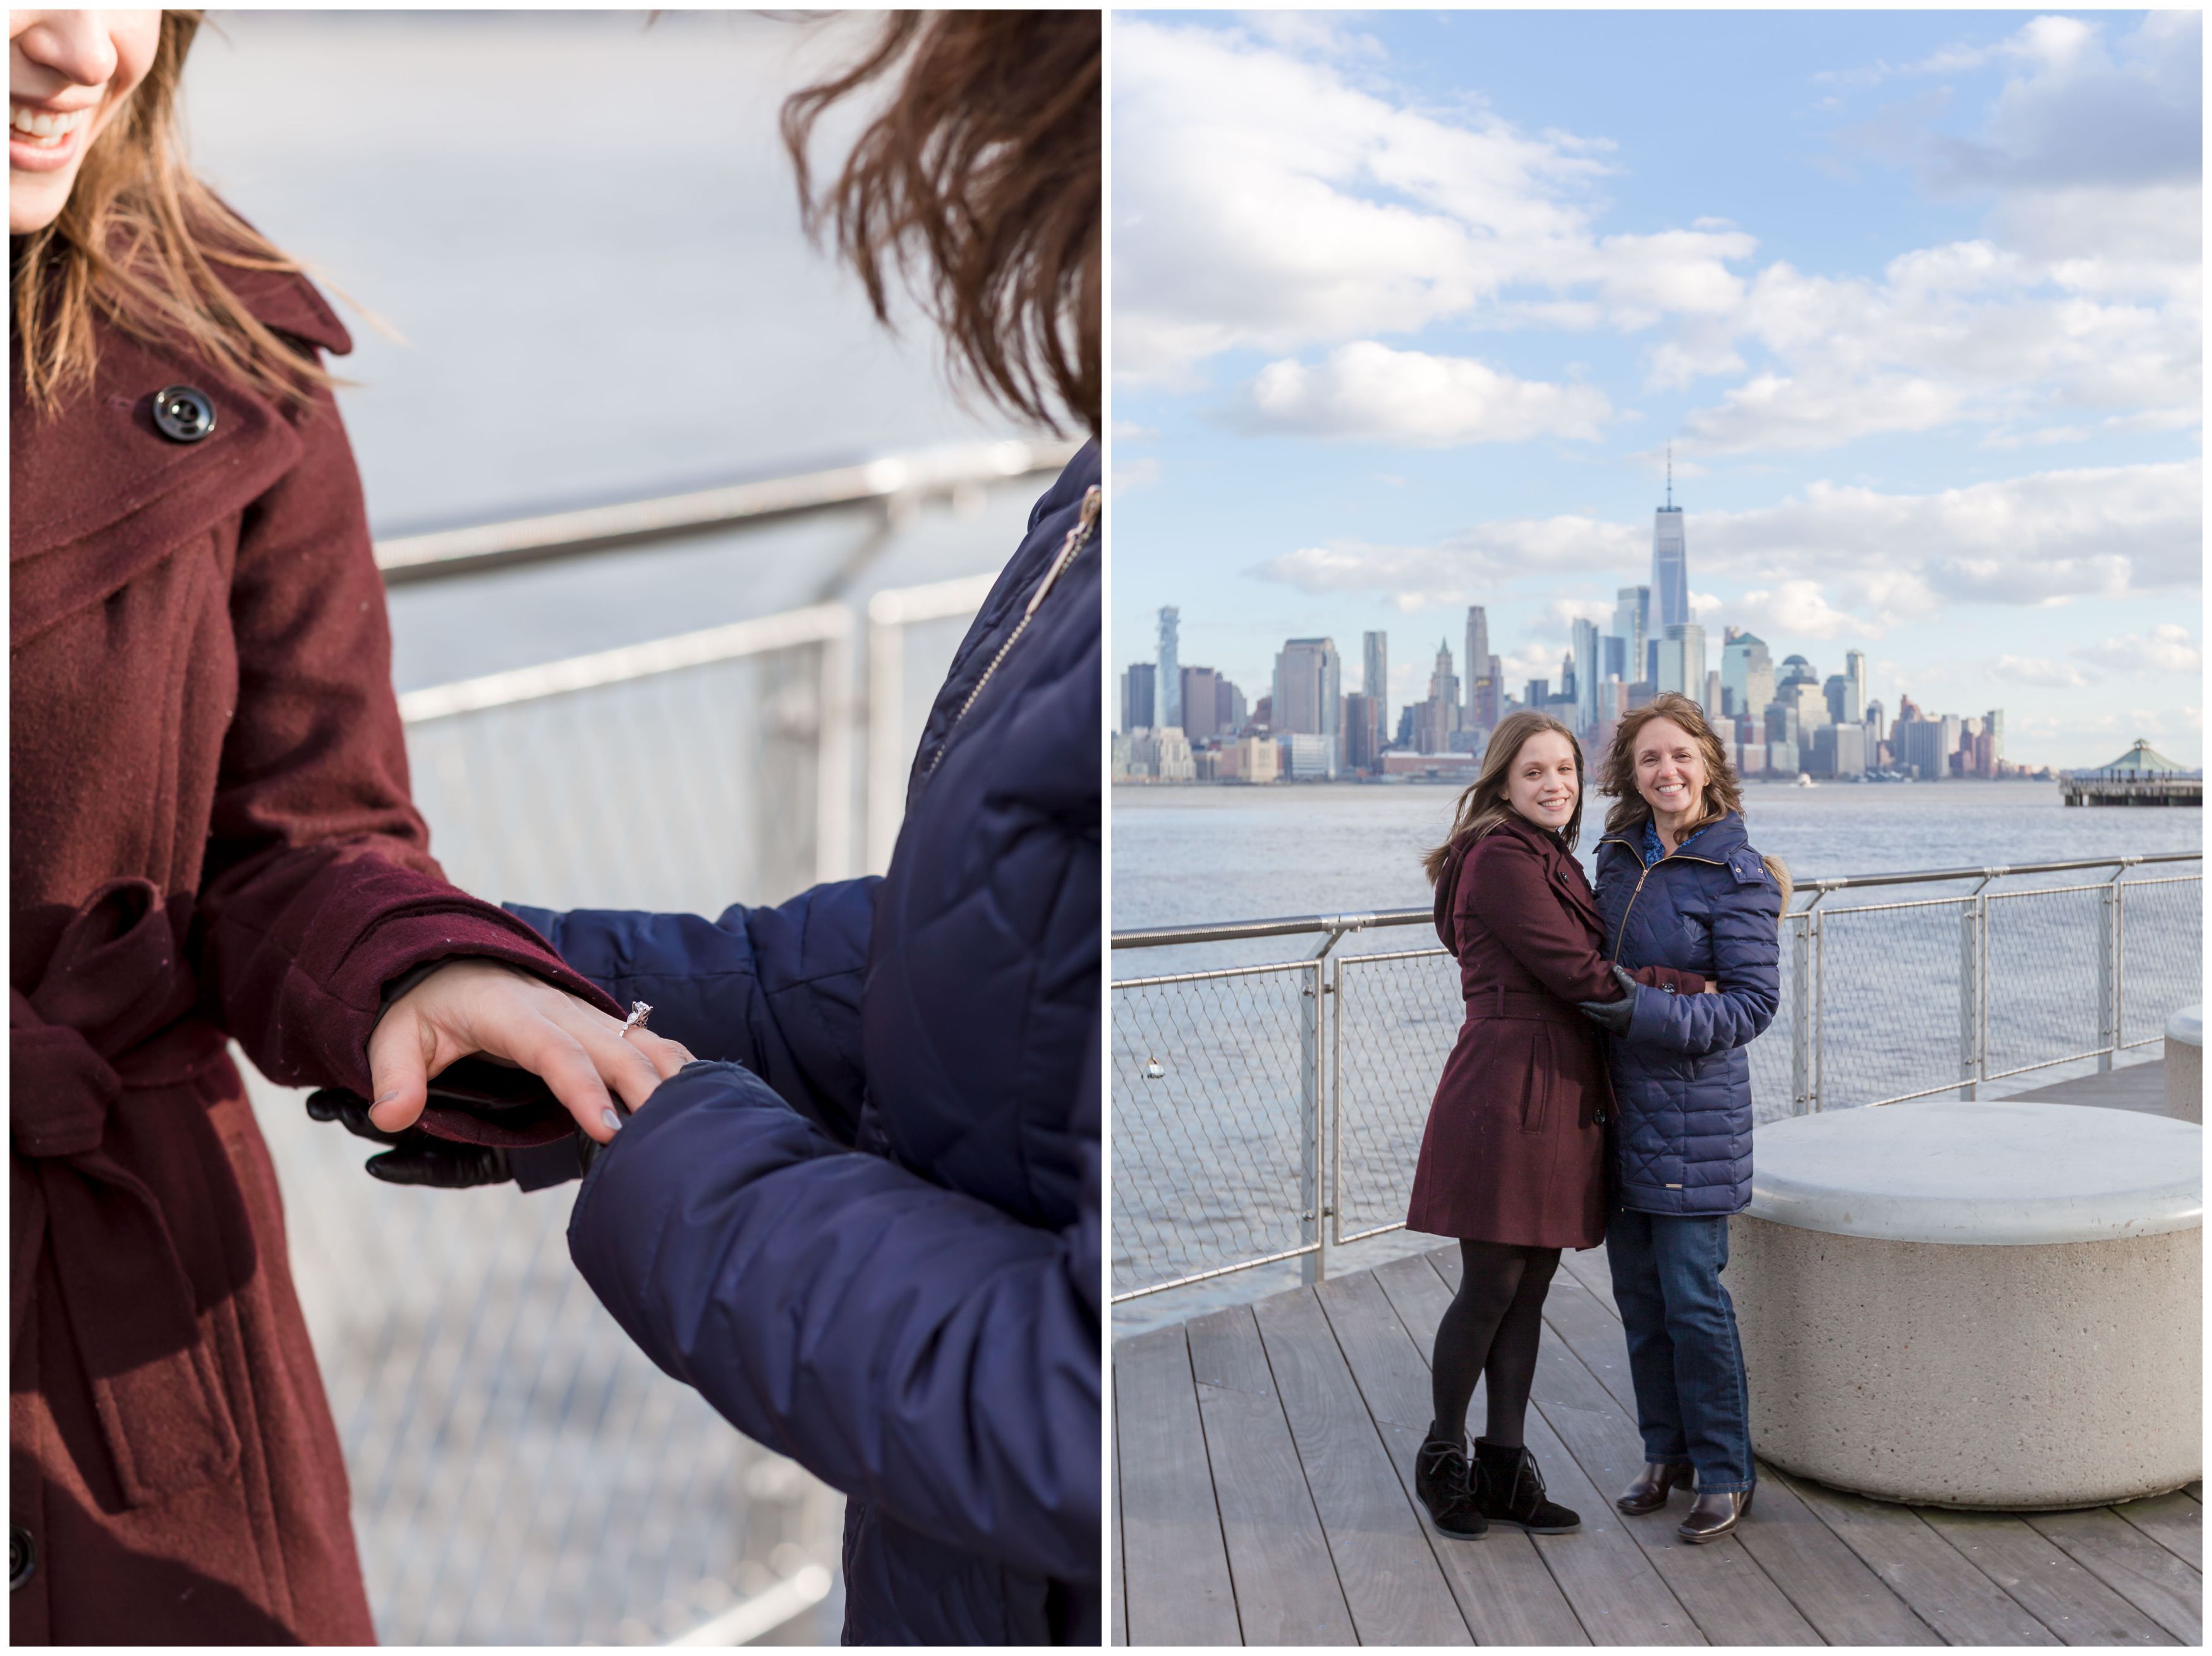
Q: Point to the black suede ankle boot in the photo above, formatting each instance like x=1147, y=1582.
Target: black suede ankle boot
x=1440, y=1479
x=1510, y=1490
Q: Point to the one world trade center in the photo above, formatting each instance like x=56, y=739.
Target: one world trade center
x=1670, y=570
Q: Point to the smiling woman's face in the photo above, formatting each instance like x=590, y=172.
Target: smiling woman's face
x=68, y=75
x=1544, y=782
x=1671, y=772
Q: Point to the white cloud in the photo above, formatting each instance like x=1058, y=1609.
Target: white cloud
x=2039, y=671
x=1798, y=609
x=1262, y=201
x=1838, y=559
x=1267, y=198
x=1133, y=473
x=1366, y=391
x=2168, y=649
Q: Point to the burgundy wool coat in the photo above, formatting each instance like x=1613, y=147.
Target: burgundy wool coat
x=1514, y=1148
x=211, y=838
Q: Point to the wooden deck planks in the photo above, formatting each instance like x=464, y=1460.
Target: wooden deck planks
x=1828, y=1583
x=1262, y=1465
x=2046, y=1582
x=1617, y=1595
x=1504, y=1588
x=2133, y=1565
x=1392, y=1581
x=1722, y=1586
x=1286, y=1586
x=1172, y=1531
x=1944, y=1590
x=2176, y=1521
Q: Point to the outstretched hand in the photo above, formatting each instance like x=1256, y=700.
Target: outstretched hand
x=1614, y=1015
x=583, y=1057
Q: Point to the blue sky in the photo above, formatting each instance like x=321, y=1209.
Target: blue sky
x=1409, y=305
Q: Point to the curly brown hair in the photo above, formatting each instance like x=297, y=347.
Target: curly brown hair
x=140, y=242
x=1617, y=778
x=1486, y=804
x=979, y=183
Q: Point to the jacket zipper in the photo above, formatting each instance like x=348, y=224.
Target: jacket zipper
x=1622, y=930
x=1070, y=550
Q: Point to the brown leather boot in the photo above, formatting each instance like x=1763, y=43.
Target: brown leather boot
x=1648, y=1492
x=1714, y=1515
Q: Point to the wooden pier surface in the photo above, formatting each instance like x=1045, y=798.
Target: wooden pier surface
x=1263, y=1494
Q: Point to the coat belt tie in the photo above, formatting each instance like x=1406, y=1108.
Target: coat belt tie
x=111, y=1016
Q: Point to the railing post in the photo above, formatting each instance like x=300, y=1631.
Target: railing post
x=1334, y=1212
x=1804, y=1093
x=1312, y=1267
x=2119, y=962
x=1972, y=944
x=2108, y=974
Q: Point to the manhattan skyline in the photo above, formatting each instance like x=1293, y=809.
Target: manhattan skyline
x=1912, y=294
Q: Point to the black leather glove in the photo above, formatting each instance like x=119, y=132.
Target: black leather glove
x=415, y=1157
x=1613, y=1014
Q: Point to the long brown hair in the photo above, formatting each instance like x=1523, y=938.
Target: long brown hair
x=980, y=183
x=138, y=241
x=1487, y=803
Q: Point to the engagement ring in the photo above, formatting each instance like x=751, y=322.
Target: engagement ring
x=639, y=1012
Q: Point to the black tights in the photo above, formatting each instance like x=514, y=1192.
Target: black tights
x=1492, y=1327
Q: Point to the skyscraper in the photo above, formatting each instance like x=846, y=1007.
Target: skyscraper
x=1171, y=679
x=1747, y=675
x=1588, y=673
x=1478, y=652
x=1670, y=568
x=1440, y=713
x=1681, y=655
x=1632, y=624
x=1137, y=697
x=1202, y=703
x=1375, y=682
x=1855, y=692
x=1309, y=697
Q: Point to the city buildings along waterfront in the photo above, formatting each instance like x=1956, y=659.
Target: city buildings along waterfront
x=1788, y=721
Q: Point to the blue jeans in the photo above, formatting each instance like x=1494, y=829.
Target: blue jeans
x=1692, y=1402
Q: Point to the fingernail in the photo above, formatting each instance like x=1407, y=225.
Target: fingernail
x=385, y=1098
x=613, y=1121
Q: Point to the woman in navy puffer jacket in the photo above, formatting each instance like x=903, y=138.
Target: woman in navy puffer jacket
x=1679, y=886
x=863, y=1222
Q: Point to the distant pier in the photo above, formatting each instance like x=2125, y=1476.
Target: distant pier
x=2091, y=790
x=2141, y=776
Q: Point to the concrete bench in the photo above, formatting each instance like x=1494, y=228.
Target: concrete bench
x=1979, y=1305
x=2185, y=1065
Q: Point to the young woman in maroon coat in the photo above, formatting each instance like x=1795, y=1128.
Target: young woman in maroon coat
x=1513, y=1160
x=210, y=837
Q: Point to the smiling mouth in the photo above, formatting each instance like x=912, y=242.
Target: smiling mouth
x=39, y=128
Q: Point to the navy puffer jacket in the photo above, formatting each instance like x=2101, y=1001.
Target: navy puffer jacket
x=1681, y=1080
x=868, y=1230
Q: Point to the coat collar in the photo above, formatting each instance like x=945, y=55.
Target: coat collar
x=1716, y=842
x=97, y=494
x=1566, y=876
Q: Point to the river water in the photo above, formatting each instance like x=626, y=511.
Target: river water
x=1209, y=1088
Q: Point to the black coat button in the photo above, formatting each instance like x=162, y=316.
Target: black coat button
x=184, y=414
x=22, y=1557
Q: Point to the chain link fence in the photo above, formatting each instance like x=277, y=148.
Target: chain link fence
x=1964, y=981
x=1217, y=1076
x=521, y=1473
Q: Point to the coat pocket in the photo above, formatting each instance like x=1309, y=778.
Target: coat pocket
x=1538, y=1080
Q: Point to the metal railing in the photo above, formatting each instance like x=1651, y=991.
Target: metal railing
x=1266, y=1114
x=522, y=1474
